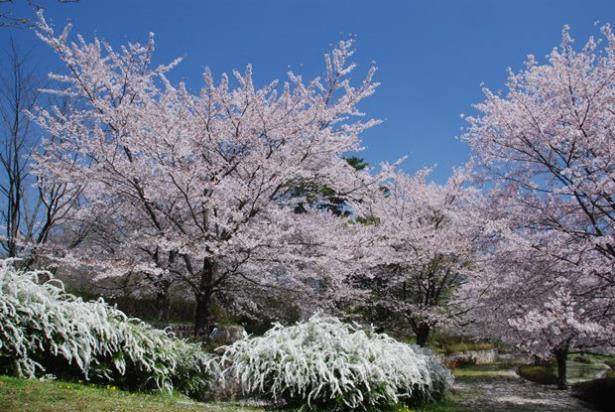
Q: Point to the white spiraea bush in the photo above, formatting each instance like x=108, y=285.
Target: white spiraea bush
x=44, y=329
x=324, y=362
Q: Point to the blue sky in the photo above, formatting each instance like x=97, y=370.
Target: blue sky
x=432, y=55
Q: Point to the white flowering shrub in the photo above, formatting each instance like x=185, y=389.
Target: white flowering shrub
x=44, y=329
x=324, y=363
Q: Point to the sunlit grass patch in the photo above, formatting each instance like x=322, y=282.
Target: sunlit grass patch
x=31, y=395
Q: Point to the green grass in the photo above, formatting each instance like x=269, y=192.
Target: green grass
x=580, y=367
x=598, y=364
x=26, y=395
x=29, y=395
x=579, y=371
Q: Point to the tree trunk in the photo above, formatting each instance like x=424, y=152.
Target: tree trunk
x=422, y=334
x=202, y=314
x=163, y=305
x=560, y=356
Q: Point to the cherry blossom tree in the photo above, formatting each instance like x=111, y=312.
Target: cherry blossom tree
x=540, y=304
x=545, y=150
x=199, y=187
x=549, y=145
x=424, y=243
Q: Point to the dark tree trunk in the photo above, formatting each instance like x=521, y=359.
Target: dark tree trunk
x=422, y=334
x=163, y=304
x=202, y=316
x=560, y=356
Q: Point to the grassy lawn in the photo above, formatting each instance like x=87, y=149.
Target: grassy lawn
x=25, y=395
x=584, y=366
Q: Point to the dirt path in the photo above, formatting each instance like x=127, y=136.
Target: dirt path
x=515, y=395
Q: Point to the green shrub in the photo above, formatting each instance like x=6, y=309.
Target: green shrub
x=600, y=393
x=543, y=375
x=45, y=330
